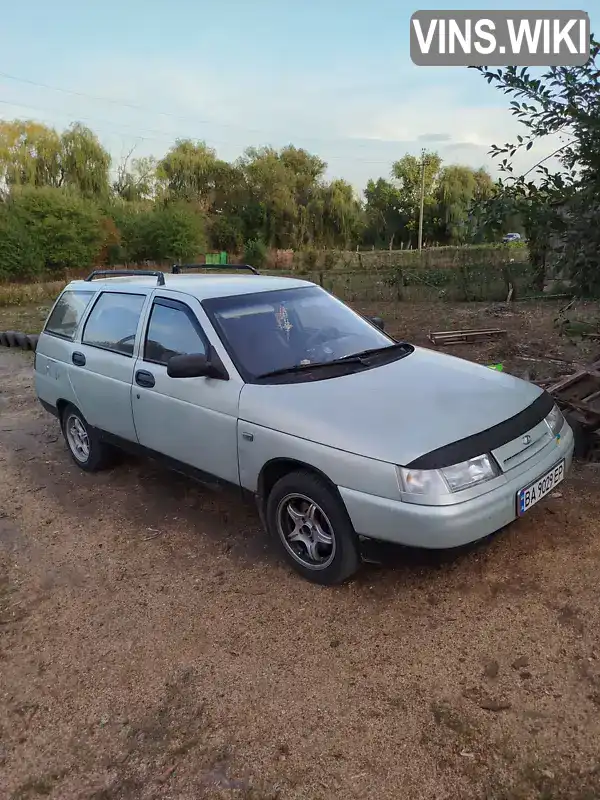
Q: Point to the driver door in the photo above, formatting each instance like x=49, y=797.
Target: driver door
x=190, y=420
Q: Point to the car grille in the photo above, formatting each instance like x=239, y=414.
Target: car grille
x=518, y=451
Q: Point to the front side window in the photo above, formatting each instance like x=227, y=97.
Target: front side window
x=173, y=330
x=67, y=313
x=113, y=322
x=295, y=328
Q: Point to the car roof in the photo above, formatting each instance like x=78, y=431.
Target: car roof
x=200, y=286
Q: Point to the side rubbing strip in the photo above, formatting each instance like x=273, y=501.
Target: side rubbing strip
x=487, y=440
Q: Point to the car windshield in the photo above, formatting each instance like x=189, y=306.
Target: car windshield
x=293, y=328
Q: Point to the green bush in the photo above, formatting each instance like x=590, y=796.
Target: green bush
x=157, y=233
x=65, y=230
x=175, y=233
x=20, y=254
x=255, y=253
x=226, y=234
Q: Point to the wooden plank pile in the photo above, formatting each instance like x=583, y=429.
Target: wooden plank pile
x=463, y=336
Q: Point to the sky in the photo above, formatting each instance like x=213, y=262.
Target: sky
x=332, y=76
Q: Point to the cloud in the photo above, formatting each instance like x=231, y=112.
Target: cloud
x=434, y=137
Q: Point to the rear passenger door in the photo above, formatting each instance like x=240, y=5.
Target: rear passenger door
x=102, y=365
x=191, y=420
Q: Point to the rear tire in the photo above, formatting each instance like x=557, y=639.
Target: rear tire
x=85, y=446
x=311, y=527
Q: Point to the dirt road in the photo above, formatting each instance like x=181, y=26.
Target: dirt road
x=152, y=646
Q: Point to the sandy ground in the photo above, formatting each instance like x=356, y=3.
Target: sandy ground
x=152, y=646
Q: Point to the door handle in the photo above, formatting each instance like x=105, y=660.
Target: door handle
x=78, y=359
x=143, y=378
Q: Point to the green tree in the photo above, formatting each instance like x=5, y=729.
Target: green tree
x=559, y=209
x=272, y=208
x=191, y=172
x=84, y=162
x=138, y=183
x=385, y=216
x=458, y=193
x=408, y=171
x=342, y=216
x=32, y=154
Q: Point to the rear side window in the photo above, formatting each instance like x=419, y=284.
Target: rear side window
x=67, y=313
x=173, y=330
x=113, y=322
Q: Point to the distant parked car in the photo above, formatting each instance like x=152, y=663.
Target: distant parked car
x=275, y=386
x=511, y=237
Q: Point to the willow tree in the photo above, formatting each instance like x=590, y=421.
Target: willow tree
x=32, y=154
x=191, y=172
x=84, y=162
x=459, y=191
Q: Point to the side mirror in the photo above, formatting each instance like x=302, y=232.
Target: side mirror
x=196, y=365
x=378, y=322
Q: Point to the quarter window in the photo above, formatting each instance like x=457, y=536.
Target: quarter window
x=173, y=330
x=67, y=313
x=113, y=322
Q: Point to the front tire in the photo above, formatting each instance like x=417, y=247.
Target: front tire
x=85, y=446
x=310, y=524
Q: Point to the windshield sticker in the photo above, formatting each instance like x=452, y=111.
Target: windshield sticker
x=283, y=320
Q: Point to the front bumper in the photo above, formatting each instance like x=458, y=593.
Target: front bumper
x=440, y=527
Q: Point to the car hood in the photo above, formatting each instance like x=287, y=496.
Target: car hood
x=396, y=412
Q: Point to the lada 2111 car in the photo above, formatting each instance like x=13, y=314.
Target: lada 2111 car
x=274, y=385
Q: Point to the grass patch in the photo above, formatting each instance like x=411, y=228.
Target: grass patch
x=28, y=294
x=27, y=319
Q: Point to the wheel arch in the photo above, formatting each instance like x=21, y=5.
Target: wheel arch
x=277, y=468
x=61, y=404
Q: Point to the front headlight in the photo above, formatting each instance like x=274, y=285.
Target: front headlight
x=555, y=420
x=449, y=479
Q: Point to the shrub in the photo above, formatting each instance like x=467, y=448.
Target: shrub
x=226, y=234
x=255, y=253
x=65, y=230
x=20, y=255
x=176, y=233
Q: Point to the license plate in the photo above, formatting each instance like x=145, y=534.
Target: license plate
x=533, y=493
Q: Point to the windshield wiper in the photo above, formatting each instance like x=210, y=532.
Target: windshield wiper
x=352, y=358
x=373, y=351
x=304, y=367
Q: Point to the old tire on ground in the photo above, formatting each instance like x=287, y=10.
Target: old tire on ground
x=22, y=341
x=310, y=524
x=581, y=436
x=33, y=339
x=10, y=338
x=85, y=446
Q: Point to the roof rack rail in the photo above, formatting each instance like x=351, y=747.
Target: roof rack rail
x=178, y=268
x=125, y=273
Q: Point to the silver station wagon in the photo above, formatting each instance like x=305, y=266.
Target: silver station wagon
x=339, y=431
